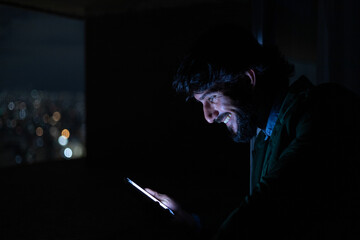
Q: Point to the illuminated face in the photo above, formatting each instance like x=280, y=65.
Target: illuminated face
x=220, y=108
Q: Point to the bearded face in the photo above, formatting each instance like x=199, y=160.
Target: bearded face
x=220, y=108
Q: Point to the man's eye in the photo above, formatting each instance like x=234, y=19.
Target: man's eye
x=212, y=99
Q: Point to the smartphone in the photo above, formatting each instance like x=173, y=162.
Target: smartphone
x=149, y=195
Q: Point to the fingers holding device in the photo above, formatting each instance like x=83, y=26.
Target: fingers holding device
x=164, y=201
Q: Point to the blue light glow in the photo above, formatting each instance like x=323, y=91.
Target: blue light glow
x=149, y=195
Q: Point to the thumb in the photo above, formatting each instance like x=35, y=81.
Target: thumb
x=155, y=194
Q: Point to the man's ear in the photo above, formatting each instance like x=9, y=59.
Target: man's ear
x=251, y=74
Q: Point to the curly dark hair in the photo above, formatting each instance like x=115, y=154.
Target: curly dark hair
x=219, y=59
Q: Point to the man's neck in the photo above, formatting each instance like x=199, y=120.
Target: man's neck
x=262, y=111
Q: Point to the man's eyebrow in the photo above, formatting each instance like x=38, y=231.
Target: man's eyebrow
x=205, y=95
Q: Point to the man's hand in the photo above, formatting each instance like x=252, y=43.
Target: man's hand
x=169, y=202
x=181, y=216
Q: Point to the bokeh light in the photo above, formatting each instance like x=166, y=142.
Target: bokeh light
x=65, y=133
x=68, y=152
x=56, y=116
x=62, y=140
x=39, y=131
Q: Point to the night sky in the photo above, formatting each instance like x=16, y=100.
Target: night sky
x=40, y=51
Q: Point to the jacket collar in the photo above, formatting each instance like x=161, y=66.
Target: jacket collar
x=298, y=91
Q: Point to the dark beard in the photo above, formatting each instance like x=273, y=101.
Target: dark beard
x=246, y=125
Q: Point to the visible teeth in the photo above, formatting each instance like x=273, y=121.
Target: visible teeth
x=227, y=118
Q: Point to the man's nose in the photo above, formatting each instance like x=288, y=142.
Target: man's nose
x=210, y=113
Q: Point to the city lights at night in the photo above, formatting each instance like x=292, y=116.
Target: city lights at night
x=40, y=126
x=42, y=96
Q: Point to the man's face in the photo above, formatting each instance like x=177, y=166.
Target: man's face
x=220, y=108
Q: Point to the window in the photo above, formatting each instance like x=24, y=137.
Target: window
x=42, y=87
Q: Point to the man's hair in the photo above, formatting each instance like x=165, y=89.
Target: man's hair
x=221, y=56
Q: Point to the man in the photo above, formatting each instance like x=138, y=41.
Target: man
x=304, y=181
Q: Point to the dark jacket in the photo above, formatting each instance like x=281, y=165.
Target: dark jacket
x=306, y=174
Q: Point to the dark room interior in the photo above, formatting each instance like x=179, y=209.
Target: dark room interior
x=106, y=68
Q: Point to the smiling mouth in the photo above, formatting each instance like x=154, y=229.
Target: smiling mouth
x=227, y=118
x=223, y=118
